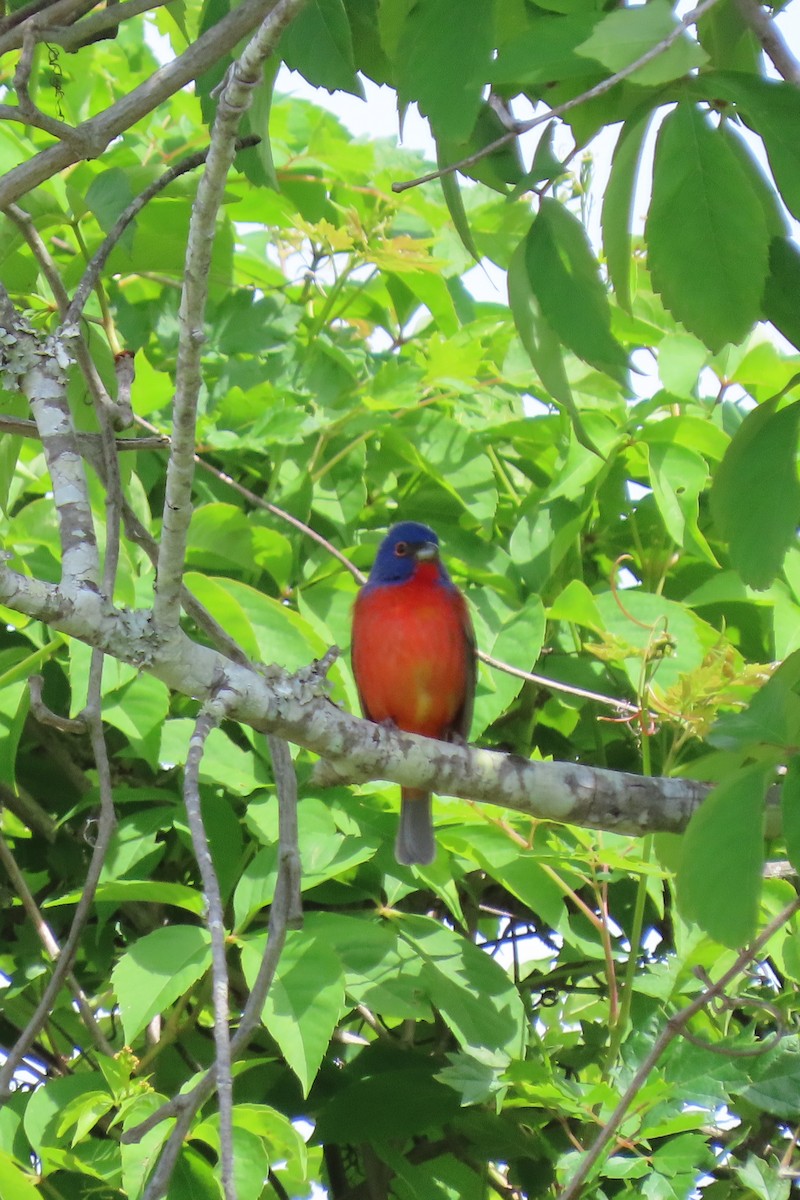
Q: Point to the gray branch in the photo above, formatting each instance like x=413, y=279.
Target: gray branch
x=772, y=40
x=296, y=708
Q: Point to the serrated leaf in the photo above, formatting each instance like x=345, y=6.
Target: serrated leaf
x=305, y=1000
x=624, y=35
x=565, y=279
x=156, y=970
x=319, y=45
x=545, y=51
x=719, y=876
x=755, y=499
x=442, y=63
x=703, y=205
x=618, y=205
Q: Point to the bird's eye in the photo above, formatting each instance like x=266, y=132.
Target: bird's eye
x=401, y=549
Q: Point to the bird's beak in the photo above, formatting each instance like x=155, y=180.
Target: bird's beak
x=426, y=552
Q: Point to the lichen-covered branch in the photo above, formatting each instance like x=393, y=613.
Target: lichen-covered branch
x=295, y=707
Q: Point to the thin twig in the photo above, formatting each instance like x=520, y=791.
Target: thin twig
x=105, y=827
x=210, y=717
x=45, y=716
x=671, y=1030
x=89, y=444
x=96, y=24
x=286, y=787
x=592, y=93
x=50, y=943
x=772, y=40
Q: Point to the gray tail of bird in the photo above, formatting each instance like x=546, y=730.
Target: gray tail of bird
x=415, y=842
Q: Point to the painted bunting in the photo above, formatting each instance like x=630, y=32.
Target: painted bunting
x=413, y=655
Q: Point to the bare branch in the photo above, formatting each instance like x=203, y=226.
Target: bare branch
x=282, y=914
x=235, y=99
x=772, y=40
x=96, y=25
x=592, y=93
x=44, y=715
x=210, y=717
x=286, y=787
x=671, y=1030
x=96, y=133
x=88, y=443
x=105, y=828
x=65, y=11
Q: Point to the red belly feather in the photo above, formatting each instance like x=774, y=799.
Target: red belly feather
x=411, y=654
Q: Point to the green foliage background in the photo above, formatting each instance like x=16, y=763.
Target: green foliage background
x=459, y=1030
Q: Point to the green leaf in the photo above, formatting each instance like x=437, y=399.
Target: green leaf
x=678, y=477
x=772, y=717
x=781, y=288
x=774, y=1079
x=535, y=333
x=224, y=763
x=451, y=190
x=395, y=1102
x=319, y=45
x=703, y=204
x=517, y=642
x=14, y=1183
x=790, y=811
x=772, y=109
x=618, y=204
x=564, y=277
x=138, y=708
x=476, y=997
x=156, y=970
x=760, y=468
x=719, y=876
x=305, y=1000
x=545, y=50
x=624, y=35
x=258, y=163
x=442, y=61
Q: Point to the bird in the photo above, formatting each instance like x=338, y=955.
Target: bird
x=413, y=658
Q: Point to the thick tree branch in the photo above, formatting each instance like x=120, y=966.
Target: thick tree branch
x=294, y=707
x=38, y=368
x=235, y=99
